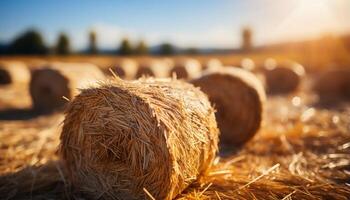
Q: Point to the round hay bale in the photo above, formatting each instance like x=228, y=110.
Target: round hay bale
x=186, y=68
x=145, y=69
x=125, y=69
x=285, y=78
x=213, y=64
x=123, y=137
x=13, y=72
x=238, y=97
x=248, y=64
x=49, y=84
x=333, y=86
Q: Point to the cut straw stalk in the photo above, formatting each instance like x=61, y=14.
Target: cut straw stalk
x=123, y=137
x=51, y=83
x=125, y=69
x=13, y=72
x=238, y=97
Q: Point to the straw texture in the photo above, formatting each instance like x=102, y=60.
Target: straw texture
x=124, y=140
x=13, y=72
x=238, y=97
x=49, y=84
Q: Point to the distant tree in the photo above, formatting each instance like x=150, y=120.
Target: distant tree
x=191, y=51
x=28, y=43
x=141, y=48
x=62, y=46
x=125, y=47
x=166, y=49
x=92, y=43
x=247, y=39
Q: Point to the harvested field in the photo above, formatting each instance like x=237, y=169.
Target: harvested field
x=300, y=152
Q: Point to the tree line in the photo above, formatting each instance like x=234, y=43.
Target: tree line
x=31, y=42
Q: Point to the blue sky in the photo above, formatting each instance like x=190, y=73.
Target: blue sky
x=197, y=23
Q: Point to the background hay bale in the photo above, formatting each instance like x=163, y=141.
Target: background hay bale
x=13, y=72
x=145, y=69
x=212, y=64
x=333, y=86
x=157, y=134
x=50, y=83
x=283, y=78
x=248, y=64
x=125, y=69
x=238, y=97
x=186, y=69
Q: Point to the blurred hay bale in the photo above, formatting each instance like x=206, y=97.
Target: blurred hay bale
x=212, y=64
x=238, y=97
x=145, y=69
x=126, y=68
x=282, y=78
x=333, y=86
x=248, y=64
x=49, y=84
x=186, y=69
x=13, y=72
x=122, y=138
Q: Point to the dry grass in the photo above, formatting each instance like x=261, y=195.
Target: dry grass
x=13, y=72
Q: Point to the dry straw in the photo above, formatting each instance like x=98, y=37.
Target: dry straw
x=283, y=78
x=51, y=83
x=238, y=97
x=13, y=72
x=333, y=86
x=186, y=68
x=133, y=140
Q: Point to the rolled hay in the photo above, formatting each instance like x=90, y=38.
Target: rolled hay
x=284, y=78
x=248, y=64
x=238, y=97
x=145, y=69
x=13, y=72
x=125, y=69
x=186, y=69
x=49, y=84
x=213, y=64
x=333, y=86
x=124, y=138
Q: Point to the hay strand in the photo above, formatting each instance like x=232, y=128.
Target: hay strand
x=238, y=97
x=126, y=68
x=122, y=137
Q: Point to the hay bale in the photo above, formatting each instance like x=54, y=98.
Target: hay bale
x=186, y=68
x=125, y=68
x=145, y=69
x=248, y=64
x=333, y=86
x=283, y=78
x=50, y=83
x=213, y=64
x=122, y=137
x=13, y=72
x=238, y=97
